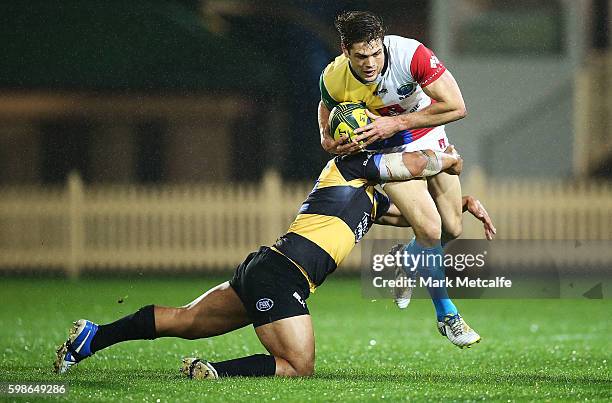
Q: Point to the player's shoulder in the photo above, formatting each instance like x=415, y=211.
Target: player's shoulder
x=337, y=67
x=402, y=46
x=352, y=167
x=342, y=169
x=332, y=81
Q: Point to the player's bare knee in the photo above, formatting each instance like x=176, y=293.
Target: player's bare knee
x=453, y=231
x=294, y=368
x=452, y=227
x=286, y=370
x=302, y=363
x=306, y=371
x=303, y=367
x=428, y=233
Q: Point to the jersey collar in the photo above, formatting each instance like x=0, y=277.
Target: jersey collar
x=382, y=72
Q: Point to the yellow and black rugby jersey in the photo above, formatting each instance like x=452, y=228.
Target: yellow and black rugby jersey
x=338, y=212
x=409, y=67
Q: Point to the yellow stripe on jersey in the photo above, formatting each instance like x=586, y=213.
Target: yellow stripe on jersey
x=338, y=84
x=330, y=233
x=334, y=217
x=331, y=176
x=370, y=192
x=311, y=285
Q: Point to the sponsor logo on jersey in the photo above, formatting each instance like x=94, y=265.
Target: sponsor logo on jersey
x=405, y=90
x=264, y=304
x=363, y=227
x=299, y=299
x=414, y=108
x=433, y=62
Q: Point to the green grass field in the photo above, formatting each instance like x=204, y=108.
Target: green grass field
x=366, y=350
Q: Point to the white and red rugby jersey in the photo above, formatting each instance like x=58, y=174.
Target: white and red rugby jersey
x=409, y=66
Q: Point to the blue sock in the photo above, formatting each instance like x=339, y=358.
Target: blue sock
x=434, y=268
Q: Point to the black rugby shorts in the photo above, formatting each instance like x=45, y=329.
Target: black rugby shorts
x=271, y=287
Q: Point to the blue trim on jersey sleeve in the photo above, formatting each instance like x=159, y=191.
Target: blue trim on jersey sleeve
x=377, y=158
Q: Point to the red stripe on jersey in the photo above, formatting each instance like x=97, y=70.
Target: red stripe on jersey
x=418, y=133
x=425, y=67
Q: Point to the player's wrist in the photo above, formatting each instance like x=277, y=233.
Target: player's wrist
x=402, y=122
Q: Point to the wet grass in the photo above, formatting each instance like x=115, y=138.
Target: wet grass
x=366, y=350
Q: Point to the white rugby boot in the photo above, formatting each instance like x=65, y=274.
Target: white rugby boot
x=457, y=331
x=401, y=294
x=195, y=368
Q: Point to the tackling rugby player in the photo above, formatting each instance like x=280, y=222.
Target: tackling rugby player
x=270, y=288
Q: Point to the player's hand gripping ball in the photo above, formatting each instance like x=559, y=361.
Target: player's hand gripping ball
x=345, y=118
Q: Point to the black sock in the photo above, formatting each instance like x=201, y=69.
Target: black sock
x=253, y=365
x=138, y=326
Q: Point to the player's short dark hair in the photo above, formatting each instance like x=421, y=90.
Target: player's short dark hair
x=358, y=26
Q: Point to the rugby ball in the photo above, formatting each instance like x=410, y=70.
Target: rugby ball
x=345, y=118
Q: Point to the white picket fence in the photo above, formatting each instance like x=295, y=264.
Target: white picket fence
x=215, y=226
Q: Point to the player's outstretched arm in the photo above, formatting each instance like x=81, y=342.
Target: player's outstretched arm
x=394, y=217
x=402, y=166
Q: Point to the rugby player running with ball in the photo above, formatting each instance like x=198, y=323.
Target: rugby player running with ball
x=410, y=96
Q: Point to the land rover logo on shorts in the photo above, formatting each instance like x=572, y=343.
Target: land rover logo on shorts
x=264, y=304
